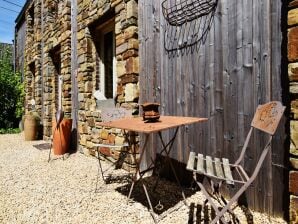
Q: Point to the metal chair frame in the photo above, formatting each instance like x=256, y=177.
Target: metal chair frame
x=109, y=114
x=266, y=119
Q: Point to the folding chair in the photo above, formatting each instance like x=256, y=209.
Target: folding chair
x=221, y=171
x=110, y=114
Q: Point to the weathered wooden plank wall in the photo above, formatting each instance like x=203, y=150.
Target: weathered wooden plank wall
x=237, y=68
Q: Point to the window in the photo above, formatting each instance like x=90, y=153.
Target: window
x=107, y=55
x=32, y=70
x=103, y=35
x=31, y=14
x=55, y=55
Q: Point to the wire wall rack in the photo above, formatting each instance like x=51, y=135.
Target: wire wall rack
x=187, y=24
x=185, y=11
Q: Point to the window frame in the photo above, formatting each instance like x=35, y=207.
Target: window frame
x=109, y=26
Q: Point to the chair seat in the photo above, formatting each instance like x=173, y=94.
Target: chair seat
x=212, y=167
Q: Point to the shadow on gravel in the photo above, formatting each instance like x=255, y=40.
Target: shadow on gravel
x=205, y=214
x=166, y=195
x=43, y=146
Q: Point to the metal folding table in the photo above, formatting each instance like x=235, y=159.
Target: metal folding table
x=137, y=124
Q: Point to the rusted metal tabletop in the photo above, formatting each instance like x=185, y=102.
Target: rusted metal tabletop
x=137, y=124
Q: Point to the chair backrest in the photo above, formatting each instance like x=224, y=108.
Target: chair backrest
x=267, y=116
x=111, y=114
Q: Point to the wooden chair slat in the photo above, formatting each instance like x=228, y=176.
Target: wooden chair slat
x=218, y=168
x=191, y=161
x=200, y=163
x=227, y=170
x=209, y=166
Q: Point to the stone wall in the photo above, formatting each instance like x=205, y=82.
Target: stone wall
x=47, y=29
x=48, y=55
x=57, y=40
x=32, y=62
x=124, y=15
x=293, y=78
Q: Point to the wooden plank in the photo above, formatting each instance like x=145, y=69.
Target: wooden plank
x=74, y=70
x=227, y=170
x=279, y=160
x=200, y=164
x=191, y=161
x=218, y=168
x=209, y=166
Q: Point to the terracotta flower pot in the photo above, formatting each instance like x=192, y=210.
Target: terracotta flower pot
x=61, y=136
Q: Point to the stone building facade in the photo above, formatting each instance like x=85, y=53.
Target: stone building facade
x=293, y=78
x=107, y=36
x=106, y=62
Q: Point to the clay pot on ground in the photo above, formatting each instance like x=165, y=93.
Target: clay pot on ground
x=61, y=136
x=31, y=126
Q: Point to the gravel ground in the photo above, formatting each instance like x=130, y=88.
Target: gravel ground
x=63, y=191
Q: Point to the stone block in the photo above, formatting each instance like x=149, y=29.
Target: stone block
x=130, y=53
x=118, y=28
x=293, y=182
x=90, y=122
x=294, y=87
x=111, y=138
x=130, y=78
x=129, y=22
x=104, y=134
x=294, y=137
x=89, y=144
x=133, y=44
x=293, y=17
x=120, y=68
x=83, y=140
x=82, y=128
x=131, y=32
x=294, y=163
x=115, y=2
x=293, y=209
x=122, y=48
x=131, y=92
x=132, y=9
x=119, y=7
x=294, y=109
x=293, y=71
x=293, y=44
x=132, y=65
x=105, y=151
x=119, y=140
x=88, y=87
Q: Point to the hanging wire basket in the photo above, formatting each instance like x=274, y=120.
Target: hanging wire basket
x=183, y=11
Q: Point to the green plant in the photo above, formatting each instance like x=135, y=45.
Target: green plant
x=10, y=131
x=11, y=92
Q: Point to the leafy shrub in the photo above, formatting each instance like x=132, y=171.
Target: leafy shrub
x=10, y=131
x=11, y=92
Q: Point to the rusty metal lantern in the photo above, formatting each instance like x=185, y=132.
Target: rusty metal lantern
x=150, y=112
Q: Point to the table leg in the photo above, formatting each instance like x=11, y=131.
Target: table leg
x=135, y=177
x=169, y=145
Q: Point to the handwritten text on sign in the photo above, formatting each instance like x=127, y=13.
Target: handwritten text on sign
x=111, y=114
